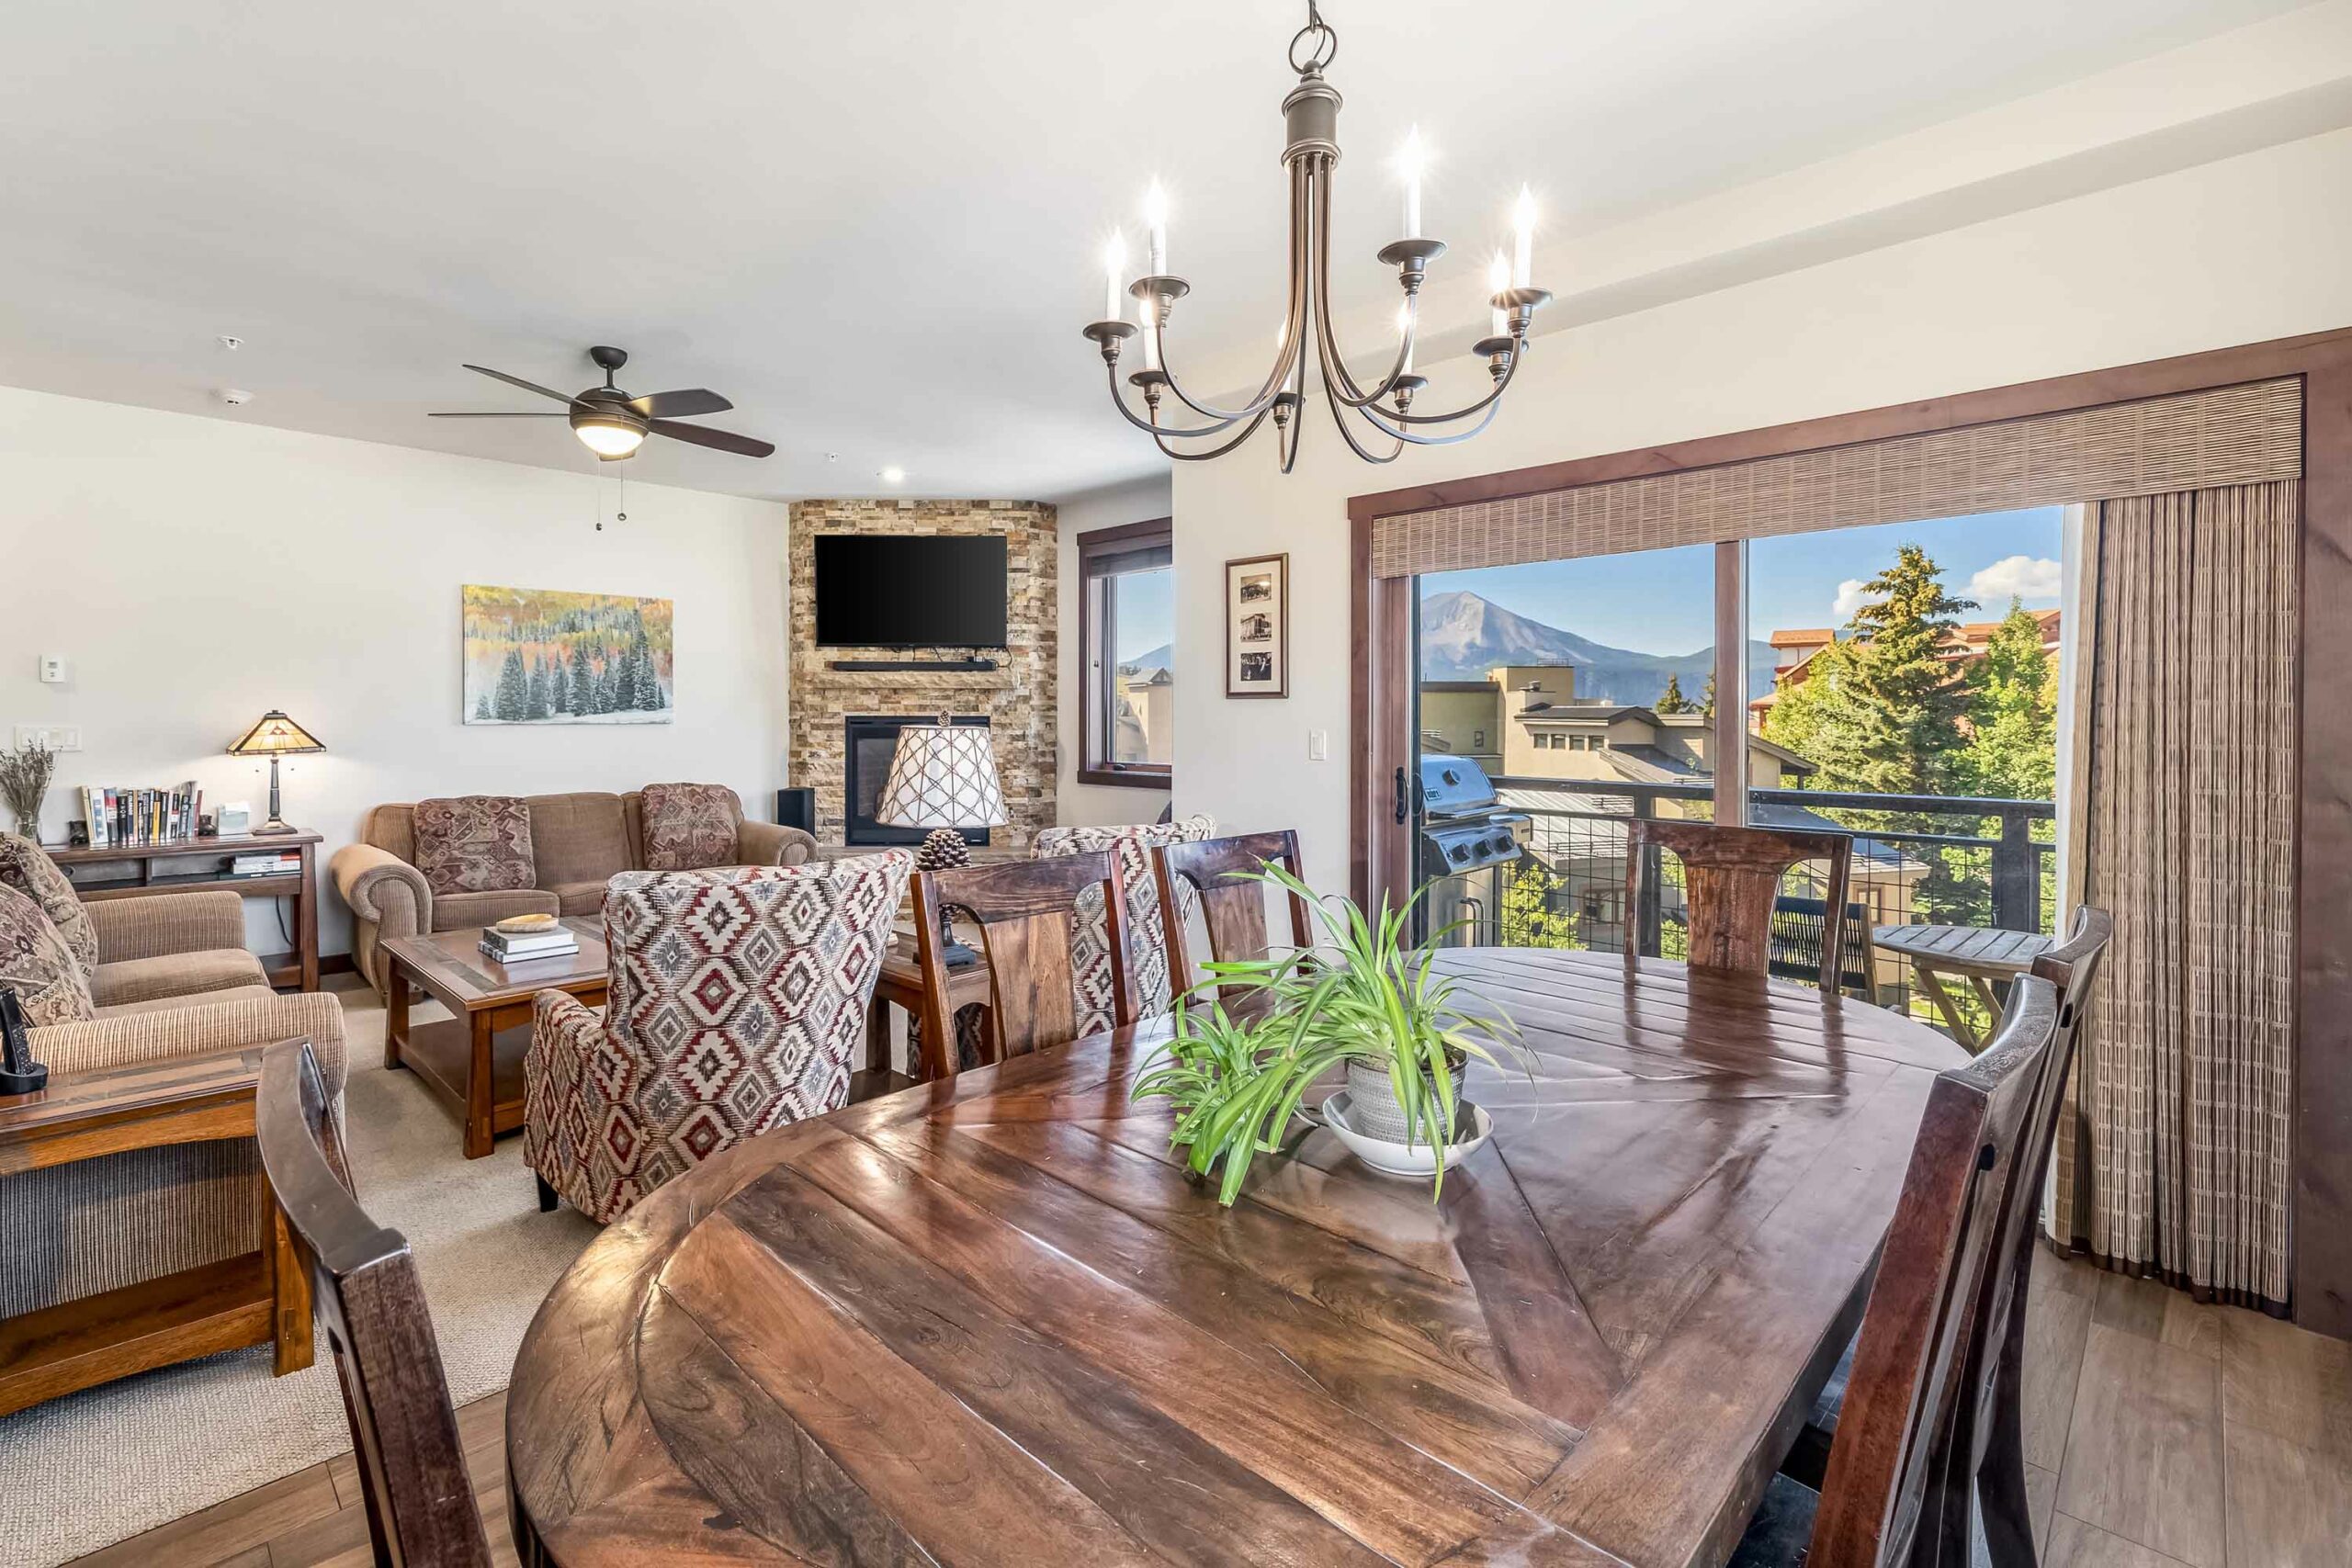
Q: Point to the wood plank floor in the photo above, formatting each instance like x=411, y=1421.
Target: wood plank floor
x=2159, y=1432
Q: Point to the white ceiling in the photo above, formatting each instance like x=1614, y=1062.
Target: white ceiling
x=873, y=226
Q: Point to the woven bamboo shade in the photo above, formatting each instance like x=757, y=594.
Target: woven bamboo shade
x=2244, y=435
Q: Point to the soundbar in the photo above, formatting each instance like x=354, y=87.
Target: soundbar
x=871, y=666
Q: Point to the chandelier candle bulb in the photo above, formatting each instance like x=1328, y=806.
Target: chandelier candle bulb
x=1114, y=266
x=1522, y=272
x=1412, y=161
x=1155, y=215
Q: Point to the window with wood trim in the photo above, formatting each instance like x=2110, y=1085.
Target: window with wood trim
x=1127, y=618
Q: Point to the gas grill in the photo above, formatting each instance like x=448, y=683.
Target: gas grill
x=1464, y=827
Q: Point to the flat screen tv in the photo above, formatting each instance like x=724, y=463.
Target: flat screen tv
x=911, y=590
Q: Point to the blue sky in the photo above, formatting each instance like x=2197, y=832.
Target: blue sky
x=1147, y=612
x=1663, y=601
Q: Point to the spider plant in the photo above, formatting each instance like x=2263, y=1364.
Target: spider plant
x=1365, y=995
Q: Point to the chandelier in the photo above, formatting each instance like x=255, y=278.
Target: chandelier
x=1377, y=422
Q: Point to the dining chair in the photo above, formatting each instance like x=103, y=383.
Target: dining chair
x=1928, y=1404
x=1221, y=873
x=412, y=1469
x=1731, y=875
x=1150, y=975
x=1030, y=933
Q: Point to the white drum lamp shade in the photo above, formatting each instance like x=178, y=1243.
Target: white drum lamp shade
x=943, y=776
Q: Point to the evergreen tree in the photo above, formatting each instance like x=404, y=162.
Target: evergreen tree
x=558, y=686
x=536, y=691
x=644, y=683
x=514, y=689
x=1707, y=699
x=624, y=682
x=2013, y=713
x=1671, y=700
x=584, y=681
x=481, y=705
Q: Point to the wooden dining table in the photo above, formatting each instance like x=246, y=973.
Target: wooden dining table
x=989, y=1319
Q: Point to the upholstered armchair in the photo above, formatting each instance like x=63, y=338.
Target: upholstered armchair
x=1147, y=935
x=739, y=995
x=138, y=952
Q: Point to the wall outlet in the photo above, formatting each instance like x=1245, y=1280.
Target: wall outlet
x=1318, y=745
x=54, y=737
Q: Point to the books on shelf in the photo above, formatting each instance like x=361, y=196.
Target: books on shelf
x=134, y=817
x=273, y=864
x=512, y=948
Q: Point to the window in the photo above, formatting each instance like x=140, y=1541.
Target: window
x=1477, y=741
x=1127, y=654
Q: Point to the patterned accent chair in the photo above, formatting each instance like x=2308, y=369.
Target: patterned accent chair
x=739, y=995
x=1147, y=933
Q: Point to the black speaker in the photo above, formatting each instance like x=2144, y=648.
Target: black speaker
x=796, y=809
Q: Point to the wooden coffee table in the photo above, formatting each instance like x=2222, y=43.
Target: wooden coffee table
x=259, y=1298
x=462, y=1059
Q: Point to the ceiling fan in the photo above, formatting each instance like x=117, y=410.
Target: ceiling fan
x=613, y=425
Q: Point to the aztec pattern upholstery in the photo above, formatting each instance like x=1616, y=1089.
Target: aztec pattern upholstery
x=690, y=826
x=1147, y=939
x=739, y=996
x=34, y=960
x=475, y=843
x=26, y=866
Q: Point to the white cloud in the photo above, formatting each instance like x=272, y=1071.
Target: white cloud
x=2031, y=579
x=1852, y=594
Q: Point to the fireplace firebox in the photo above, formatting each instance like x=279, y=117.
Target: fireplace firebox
x=872, y=739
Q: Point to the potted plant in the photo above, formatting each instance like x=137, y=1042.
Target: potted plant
x=1366, y=1000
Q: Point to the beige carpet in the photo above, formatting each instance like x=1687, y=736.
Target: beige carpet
x=80, y=1472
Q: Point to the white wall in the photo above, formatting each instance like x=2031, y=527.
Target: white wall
x=1090, y=805
x=2232, y=251
x=196, y=572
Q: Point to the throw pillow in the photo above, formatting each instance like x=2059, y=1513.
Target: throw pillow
x=26, y=866
x=689, y=827
x=36, y=960
x=475, y=843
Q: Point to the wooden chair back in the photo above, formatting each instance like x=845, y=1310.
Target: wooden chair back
x=1731, y=875
x=1914, y=1435
x=404, y=1431
x=1030, y=934
x=1233, y=904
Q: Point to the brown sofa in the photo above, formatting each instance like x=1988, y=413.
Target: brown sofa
x=578, y=842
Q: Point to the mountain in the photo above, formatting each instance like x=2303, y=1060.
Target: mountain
x=1463, y=636
x=1161, y=658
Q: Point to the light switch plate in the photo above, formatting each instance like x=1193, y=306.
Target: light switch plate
x=1318, y=745
x=54, y=737
x=53, y=669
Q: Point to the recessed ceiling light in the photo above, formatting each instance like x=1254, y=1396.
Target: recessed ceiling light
x=894, y=476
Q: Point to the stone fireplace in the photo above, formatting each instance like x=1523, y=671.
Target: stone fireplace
x=1015, y=700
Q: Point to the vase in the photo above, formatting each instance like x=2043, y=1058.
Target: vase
x=1373, y=1106
x=28, y=822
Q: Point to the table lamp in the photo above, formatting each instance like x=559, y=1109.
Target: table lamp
x=943, y=777
x=276, y=736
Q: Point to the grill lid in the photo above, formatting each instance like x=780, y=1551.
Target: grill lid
x=1452, y=785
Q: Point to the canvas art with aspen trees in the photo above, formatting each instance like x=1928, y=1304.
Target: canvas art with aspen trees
x=538, y=656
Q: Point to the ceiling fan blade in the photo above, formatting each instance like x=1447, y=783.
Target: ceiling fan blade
x=518, y=381
x=724, y=440
x=505, y=414
x=682, y=404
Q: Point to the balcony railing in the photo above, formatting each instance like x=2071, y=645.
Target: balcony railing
x=1947, y=860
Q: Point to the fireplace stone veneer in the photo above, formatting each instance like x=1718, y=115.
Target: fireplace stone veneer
x=1016, y=699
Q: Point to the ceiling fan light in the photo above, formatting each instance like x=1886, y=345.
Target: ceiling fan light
x=607, y=438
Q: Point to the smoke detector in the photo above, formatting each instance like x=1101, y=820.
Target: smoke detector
x=235, y=396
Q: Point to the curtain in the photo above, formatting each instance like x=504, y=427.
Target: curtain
x=2181, y=1098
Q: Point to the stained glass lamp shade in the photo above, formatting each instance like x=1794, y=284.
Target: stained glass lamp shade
x=274, y=737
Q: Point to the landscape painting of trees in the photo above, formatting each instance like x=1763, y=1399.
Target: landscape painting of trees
x=539, y=656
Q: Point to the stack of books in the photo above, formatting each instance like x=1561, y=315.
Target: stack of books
x=517, y=947
x=141, y=816
x=281, y=864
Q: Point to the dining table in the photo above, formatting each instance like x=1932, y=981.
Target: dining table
x=993, y=1319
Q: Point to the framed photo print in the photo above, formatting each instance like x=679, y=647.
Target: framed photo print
x=1257, y=627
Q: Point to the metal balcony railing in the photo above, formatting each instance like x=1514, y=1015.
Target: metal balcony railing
x=1945, y=859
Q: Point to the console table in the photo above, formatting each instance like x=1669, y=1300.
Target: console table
x=136, y=870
